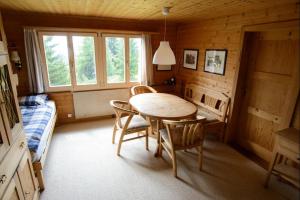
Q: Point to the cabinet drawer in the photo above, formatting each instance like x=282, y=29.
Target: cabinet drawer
x=10, y=163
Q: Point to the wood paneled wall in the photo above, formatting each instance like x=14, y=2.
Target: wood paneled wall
x=219, y=33
x=222, y=33
x=64, y=106
x=14, y=23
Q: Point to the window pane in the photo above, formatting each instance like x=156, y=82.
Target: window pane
x=135, y=59
x=57, y=59
x=115, y=59
x=84, y=55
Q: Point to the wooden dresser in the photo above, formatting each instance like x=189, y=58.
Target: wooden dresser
x=17, y=179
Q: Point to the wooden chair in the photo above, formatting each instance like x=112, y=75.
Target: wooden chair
x=128, y=122
x=181, y=135
x=211, y=104
x=140, y=89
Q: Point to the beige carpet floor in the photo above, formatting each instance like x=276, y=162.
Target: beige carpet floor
x=82, y=164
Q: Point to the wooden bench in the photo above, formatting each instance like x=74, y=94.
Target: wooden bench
x=211, y=104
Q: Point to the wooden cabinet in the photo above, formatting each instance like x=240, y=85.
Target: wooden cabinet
x=27, y=177
x=14, y=190
x=4, y=145
x=17, y=179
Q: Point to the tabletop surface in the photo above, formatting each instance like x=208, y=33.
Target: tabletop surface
x=161, y=105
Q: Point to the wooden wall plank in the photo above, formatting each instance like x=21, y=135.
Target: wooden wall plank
x=220, y=33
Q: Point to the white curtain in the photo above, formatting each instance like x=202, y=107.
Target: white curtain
x=147, y=67
x=34, y=61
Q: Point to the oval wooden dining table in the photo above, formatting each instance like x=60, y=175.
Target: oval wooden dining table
x=161, y=106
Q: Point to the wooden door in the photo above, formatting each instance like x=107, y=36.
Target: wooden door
x=14, y=190
x=271, y=88
x=27, y=177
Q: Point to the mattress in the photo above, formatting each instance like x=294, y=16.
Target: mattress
x=38, y=122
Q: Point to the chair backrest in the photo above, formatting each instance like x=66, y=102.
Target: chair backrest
x=210, y=100
x=121, y=109
x=140, y=89
x=185, y=133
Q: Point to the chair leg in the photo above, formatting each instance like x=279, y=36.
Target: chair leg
x=120, y=142
x=147, y=138
x=222, y=133
x=114, y=134
x=160, y=147
x=200, y=157
x=274, y=160
x=174, y=163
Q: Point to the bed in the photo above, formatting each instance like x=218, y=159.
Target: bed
x=39, y=117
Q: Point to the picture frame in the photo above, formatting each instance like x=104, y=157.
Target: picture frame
x=215, y=61
x=190, y=58
x=164, y=67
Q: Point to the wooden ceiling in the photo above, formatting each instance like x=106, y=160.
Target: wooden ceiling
x=182, y=10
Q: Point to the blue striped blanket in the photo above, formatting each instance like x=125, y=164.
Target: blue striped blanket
x=35, y=120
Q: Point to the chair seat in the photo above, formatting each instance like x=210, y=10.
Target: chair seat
x=137, y=122
x=177, y=137
x=209, y=117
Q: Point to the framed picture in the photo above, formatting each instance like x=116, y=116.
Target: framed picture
x=215, y=61
x=164, y=68
x=190, y=58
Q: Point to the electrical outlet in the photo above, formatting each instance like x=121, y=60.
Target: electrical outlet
x=70, y=115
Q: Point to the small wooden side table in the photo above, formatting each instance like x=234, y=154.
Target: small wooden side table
x=287, y=145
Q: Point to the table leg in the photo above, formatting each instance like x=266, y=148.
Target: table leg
x=158, y=123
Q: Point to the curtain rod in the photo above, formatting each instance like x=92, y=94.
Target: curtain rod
x=88, y=30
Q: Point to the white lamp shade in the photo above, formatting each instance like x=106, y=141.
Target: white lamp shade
x=164, y=54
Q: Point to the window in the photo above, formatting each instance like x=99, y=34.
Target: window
x=57, y=60
x=123, y=59
x=84, y=56
x=115, y=59
x=85, y=61
x=135, y=58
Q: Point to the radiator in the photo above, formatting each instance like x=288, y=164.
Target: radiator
x=96, y=103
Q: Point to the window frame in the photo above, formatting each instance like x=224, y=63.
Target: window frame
x=49, y=88
x=97, y=64
x=100, y=59
x=126, y=37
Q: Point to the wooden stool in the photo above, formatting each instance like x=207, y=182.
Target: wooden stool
x=287, y=146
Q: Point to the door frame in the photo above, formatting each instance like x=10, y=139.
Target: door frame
x=241, y=73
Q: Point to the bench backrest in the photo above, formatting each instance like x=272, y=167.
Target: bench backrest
x=212, y=101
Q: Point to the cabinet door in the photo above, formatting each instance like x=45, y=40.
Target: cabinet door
x=27, y=177
x=9, y=102
x=14, y=190
x=4, y=145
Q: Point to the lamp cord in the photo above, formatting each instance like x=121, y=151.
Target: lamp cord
x=165, y=28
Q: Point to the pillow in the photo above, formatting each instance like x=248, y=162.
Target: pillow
x=33, y=100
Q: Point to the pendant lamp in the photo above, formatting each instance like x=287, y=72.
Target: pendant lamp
x=164, y=54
